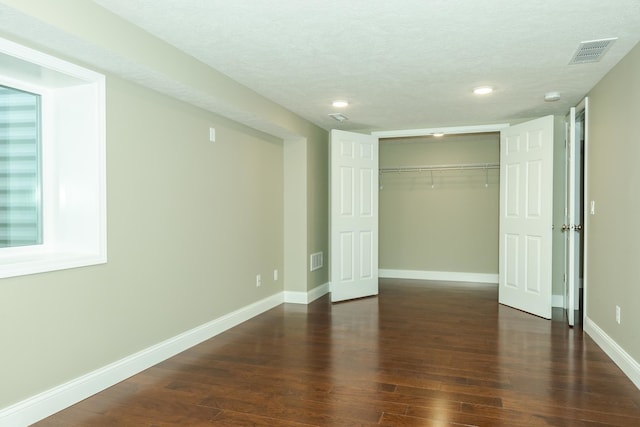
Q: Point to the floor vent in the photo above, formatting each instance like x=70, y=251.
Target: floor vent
x=591, y=51
x=316, y=261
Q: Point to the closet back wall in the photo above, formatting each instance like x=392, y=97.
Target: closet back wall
x=441, y=222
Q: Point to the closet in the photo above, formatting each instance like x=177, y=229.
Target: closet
x=439, y=207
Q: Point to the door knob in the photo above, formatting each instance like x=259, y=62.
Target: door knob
x=564, y=228
x=577, y=227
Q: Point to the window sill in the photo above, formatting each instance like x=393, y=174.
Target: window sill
x=20, y=265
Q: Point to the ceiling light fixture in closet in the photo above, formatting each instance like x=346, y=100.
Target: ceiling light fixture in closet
x=340, y=103
x=483, y=90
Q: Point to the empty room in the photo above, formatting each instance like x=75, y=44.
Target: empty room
x=319, y=213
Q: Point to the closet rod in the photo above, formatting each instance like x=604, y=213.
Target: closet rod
x=428, y=168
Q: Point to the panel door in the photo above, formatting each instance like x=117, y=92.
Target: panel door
x=354, y=215
x=570, y=220
x=526, y=203
x=573, y=226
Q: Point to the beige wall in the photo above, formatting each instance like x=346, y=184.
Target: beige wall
x=295, y=189
x=190, y=222
x=306, y=211
x=110, y=43
x=318, y=211
x=451, y=227
x=613, y=183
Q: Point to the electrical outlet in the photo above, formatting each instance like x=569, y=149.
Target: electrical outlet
x=258, y=280
x=275, y=274
x=618, y=314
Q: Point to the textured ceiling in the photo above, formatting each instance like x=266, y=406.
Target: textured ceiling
x=401, y=64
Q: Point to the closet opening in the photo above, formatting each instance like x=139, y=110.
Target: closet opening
x=439, y=203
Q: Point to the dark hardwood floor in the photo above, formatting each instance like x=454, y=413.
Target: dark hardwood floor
x=419, y=354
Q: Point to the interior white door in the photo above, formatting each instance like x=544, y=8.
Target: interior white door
x=526, y=203
x=572, y=226
x=570, y=219
x=354, y=215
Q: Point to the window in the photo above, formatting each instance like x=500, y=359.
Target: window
x=20, y=160
x=52, y=163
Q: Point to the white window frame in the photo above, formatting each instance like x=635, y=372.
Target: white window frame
x=73, y=161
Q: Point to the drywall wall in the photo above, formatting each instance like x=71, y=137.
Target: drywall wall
x=190, y=222
x=449, y=224
x=83, y=31
x=318, y=212
x=613, y=240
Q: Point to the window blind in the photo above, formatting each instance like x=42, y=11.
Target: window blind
x=20, y=168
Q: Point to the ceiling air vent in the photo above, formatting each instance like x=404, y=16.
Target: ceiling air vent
x=591, y=51
x=339, y=117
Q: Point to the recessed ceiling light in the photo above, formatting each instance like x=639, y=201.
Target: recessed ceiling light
x=437, y=135
x=483, y=90
x=340, y=103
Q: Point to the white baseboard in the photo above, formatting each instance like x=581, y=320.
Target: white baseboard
x=306, y=297
x=42, y=405
x=447, y=276
x=628, y=364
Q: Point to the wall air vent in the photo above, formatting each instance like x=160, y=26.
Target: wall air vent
x=316, y=261
x=591, y=51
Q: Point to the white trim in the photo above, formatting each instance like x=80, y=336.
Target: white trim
x=74, y=196
x=586, y=225
x=446, y=130
x=448, y=276
x=306, y=297
x=628, y=364
x=557, y=301
x=57, y=398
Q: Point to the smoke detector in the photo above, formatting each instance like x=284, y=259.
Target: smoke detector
x=552, y=96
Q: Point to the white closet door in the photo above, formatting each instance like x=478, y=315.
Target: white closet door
x=354, y=215
x=526, y=202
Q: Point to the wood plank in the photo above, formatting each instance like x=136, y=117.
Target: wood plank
x=421, y=353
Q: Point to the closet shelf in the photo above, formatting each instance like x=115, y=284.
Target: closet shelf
x=430, y=168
